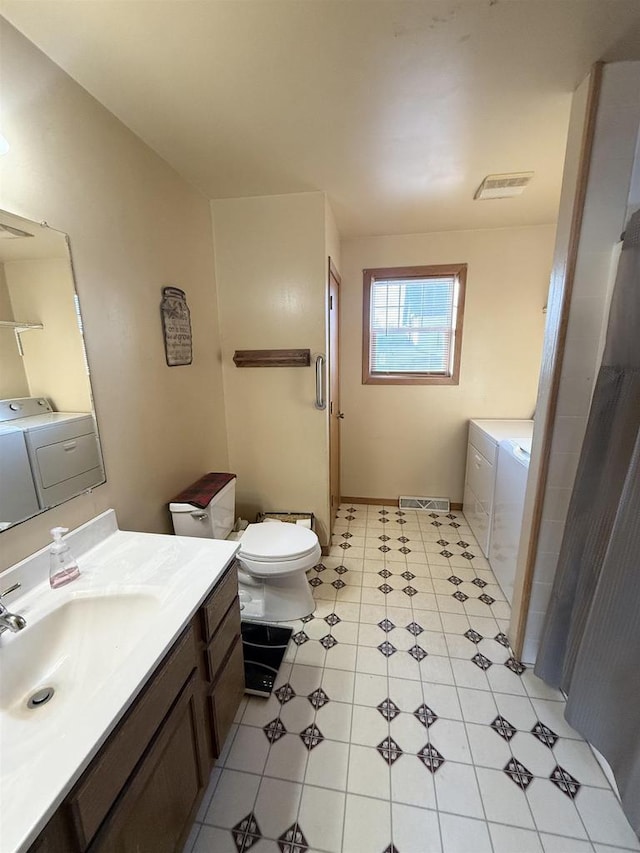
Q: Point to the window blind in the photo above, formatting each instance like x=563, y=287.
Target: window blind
x=412, y=325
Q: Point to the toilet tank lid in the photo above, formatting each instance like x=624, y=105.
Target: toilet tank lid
x=277, y=540
x=203, y=490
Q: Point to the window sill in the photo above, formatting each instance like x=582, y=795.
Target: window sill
x=415, y=379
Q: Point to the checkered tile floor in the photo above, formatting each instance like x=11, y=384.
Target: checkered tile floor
x=401, y=722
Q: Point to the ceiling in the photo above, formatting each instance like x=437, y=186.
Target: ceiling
x=396, y=109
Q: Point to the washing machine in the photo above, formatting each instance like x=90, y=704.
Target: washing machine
x=18, y=499
x=510, y=487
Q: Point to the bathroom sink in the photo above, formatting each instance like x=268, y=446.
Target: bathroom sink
x=94, y=642
x=53, y=651
x=75, y=649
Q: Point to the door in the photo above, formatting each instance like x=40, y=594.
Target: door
x=335, y=415
x=155, y=808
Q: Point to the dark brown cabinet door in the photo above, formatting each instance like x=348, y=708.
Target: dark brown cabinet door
x=154, y=810
x=55, y=838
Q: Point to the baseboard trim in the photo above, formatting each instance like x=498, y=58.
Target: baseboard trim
x=456, y=507
x=345, y=499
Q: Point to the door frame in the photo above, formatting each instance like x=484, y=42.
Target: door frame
x=559, y=301
x=333, y=375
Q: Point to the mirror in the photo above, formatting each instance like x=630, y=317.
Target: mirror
x=49, y=446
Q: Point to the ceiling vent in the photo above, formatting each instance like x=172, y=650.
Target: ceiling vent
x=503, y=186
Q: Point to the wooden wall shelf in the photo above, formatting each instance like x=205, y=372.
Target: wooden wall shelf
x=272, y=358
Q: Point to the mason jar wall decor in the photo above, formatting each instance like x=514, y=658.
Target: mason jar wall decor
x=176, y=325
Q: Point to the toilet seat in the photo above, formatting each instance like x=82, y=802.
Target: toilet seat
x=277, y=542
x=276, y=549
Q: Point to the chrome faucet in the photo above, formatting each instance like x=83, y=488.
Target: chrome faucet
x=10, y=621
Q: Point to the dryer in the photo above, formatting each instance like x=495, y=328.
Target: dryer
x=62, y=448
x=508, y=507
x=482, y=461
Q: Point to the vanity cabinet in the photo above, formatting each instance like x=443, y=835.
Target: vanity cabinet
x=141, y=791
x=56, y=838
x=151, y=812
x=223, y=671
x=225, y=696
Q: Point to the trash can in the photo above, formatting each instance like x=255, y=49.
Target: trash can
x=304, y=519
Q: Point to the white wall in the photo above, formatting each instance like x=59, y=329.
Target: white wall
x=271, y=269
x=43, y=291
x=605, y=211
x=135, y=226
x=13, y=379
x=332, y=237
x=411, y=439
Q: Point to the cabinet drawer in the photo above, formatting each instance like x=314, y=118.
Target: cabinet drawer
x=480, y=477
x=226, y=696
x=102, y=783
x=155, y=806
x=223, y=639
x=215, y=607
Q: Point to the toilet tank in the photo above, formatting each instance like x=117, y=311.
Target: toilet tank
x=214, y=522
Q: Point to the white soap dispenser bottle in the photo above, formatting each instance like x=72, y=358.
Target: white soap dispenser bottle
x=63, y=567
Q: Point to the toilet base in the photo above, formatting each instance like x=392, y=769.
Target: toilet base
x=281, y=599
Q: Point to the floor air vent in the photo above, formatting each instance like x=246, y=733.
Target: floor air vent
x=430, y=504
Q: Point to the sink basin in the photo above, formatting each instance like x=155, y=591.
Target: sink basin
x=53, y=651
x=95, y=642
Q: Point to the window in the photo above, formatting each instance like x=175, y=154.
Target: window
x=412, y=325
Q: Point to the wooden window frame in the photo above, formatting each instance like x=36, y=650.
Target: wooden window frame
x=390, y=273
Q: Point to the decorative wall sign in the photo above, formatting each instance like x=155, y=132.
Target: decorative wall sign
x=176, y=325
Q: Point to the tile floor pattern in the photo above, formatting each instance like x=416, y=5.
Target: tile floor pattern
x=401, y=722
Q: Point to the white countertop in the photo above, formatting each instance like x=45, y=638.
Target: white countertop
x=500, y=429
x=136, y=594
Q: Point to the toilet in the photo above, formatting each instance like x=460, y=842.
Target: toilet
x=273, y=558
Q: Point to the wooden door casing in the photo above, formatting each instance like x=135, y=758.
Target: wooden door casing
x=334, y=390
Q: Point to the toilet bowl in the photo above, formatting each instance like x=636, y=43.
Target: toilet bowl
x=273, y=557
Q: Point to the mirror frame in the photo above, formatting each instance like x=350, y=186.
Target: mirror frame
x=41, y=227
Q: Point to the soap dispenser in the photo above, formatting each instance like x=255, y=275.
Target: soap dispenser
x=63, y=567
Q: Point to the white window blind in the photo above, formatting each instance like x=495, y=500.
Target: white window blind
x=412, y=325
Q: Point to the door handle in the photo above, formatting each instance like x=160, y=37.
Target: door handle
x=320, y=401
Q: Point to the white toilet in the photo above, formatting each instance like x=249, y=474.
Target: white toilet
x=273, y=556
